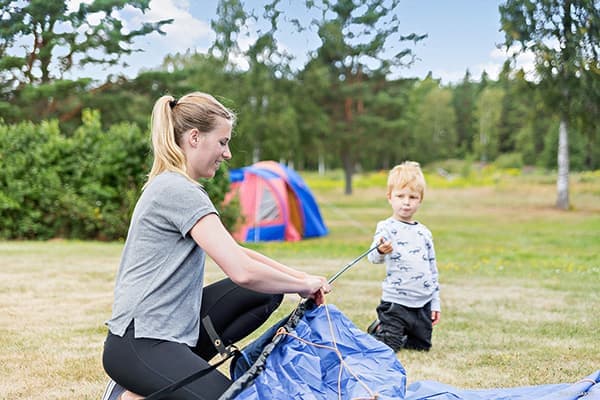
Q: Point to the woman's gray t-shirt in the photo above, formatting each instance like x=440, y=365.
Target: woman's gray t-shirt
x=160, y=278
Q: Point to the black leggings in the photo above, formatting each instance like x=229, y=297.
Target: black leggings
x=147, y=365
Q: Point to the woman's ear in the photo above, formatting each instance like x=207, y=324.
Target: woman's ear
x=194, y=137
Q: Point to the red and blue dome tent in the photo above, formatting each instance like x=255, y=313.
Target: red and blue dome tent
x=276, y=204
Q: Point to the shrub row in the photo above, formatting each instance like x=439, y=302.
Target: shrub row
x=82, y=186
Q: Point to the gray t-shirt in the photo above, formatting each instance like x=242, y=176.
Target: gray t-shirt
x=160, y=278
x=411, y=271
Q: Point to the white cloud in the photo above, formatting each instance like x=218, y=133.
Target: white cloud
x=185, y=32
x=525, y=60
x=492, y=67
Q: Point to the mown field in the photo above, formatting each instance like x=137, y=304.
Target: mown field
x=520, y=286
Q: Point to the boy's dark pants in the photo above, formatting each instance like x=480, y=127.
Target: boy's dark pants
x=404, y=327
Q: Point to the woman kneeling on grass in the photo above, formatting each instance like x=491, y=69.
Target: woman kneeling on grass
x=155, y=335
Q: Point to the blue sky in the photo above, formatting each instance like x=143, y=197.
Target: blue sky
x=463, y=34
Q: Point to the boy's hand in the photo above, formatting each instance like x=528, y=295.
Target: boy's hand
x=385, y=246
x=435, y=317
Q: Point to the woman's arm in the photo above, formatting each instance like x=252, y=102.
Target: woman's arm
x=272, y=263
x=248, y=268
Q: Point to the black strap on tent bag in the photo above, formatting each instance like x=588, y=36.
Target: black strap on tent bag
x=224, y=351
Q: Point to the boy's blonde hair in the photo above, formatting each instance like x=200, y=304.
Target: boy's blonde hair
x=406, y=175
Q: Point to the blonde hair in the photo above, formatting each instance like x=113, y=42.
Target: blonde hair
x=171, y=118
x=406, y=175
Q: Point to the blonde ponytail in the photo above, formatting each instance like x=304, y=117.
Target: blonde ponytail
x=168, y=156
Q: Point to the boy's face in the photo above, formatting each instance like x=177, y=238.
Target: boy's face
x=405, y=202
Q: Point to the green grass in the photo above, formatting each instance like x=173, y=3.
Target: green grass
x=520, y=285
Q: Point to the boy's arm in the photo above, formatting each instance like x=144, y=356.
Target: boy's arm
x=436, y=306
x=384, y=246
x=435, y=301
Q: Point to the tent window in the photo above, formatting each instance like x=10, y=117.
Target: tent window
x=268, y=209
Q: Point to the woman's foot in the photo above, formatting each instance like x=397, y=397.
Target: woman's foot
x=127, y=395
x=113, y=391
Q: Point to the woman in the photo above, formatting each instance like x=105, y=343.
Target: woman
x=155, y=333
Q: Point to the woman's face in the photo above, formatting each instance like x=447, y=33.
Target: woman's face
x=208, y=149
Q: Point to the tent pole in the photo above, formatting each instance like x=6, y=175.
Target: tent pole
x=357, y=259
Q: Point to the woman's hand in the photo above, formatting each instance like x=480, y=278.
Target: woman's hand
x=317, y=288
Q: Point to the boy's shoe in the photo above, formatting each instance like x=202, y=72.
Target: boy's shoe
x=113, y=391
x=374, y=327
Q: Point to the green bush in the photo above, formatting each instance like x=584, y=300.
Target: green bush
x=509, y=160
x=82, y=186
x=30, y=182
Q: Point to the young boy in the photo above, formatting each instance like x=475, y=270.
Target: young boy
x=410, y=302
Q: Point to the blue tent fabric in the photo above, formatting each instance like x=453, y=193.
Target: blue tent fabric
x=296, y=369
x=314, y=226
x=587, y=388
x=299, y=370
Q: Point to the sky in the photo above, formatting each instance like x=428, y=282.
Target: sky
x=462, y=34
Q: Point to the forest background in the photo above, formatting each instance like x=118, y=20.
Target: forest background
x=74, y=153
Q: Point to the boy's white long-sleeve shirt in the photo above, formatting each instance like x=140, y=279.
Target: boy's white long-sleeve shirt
x=412, y=274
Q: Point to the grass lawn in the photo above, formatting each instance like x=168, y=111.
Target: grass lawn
x=520, y=287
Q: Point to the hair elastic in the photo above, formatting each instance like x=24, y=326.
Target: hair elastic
x=173, y=103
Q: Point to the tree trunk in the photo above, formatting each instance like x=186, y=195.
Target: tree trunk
x=321, y=163
x=348, y=170
x=562, y=181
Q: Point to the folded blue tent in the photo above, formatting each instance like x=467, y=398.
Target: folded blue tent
x=304, y=363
